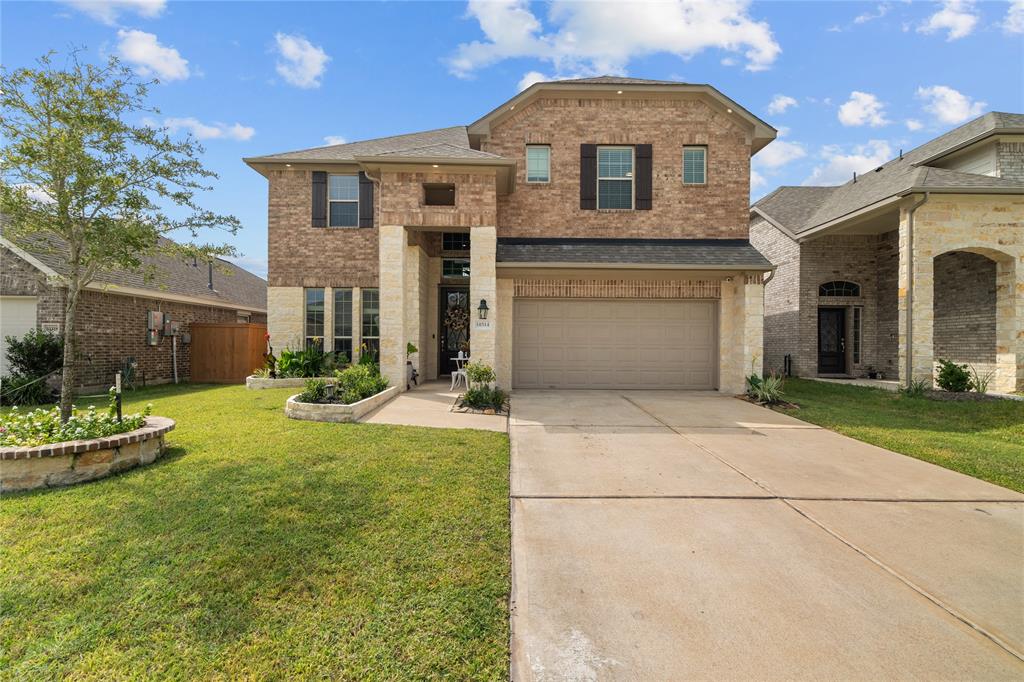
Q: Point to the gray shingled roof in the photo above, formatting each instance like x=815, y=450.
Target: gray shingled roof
x=617, y=80
x=232, y=285
x=454, y=137
x=702, y=253
x=441, y=151
x=800, y=209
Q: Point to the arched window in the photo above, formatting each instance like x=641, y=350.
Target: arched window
x=839, y=288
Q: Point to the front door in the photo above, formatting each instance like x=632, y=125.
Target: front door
x=831, y=340
x=453, y=325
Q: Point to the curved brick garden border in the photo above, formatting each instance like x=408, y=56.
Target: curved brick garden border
x=76, y=461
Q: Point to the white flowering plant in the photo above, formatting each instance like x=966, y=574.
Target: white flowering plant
x=43, y=426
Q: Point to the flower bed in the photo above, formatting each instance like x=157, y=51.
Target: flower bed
x=257, y=383
x=75, y=461
x=337, y=412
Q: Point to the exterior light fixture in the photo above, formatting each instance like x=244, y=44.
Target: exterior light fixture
x=619, y=92
x=436, y=166
x=287, y=165
x=728, y=111
x=482, y=310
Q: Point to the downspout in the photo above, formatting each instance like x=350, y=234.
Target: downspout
x=910, y=286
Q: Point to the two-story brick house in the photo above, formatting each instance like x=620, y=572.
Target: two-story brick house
x=588, y=233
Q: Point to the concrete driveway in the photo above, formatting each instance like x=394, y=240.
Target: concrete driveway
x=664, y=535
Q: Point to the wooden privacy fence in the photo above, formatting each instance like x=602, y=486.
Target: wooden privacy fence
x=226, y=353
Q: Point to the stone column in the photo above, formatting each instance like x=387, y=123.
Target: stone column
x=393, y=257
x=286, y=310
x=483, y=286
x=1009, y=375
x=433, y=279
x=740, y=331
x=503, y=332
x=922, y=313
x=415, y=266
x=753, y=325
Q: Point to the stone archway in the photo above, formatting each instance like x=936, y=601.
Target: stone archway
x=975, y=318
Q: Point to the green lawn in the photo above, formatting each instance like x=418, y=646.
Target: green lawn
x=980, y=439
x=262, y=547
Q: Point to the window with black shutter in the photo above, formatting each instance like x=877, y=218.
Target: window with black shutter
x=644, y=177
x=588, y=177
x=365, y=200
x=319, y=199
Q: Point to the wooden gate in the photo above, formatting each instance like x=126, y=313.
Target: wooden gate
x=226, y=353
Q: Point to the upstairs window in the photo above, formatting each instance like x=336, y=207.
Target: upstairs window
x=839, y=288
x=695, y=165
x=343, y=200
x=538, y=163
x=455, y=241
x=438, y=194
x=615, y=177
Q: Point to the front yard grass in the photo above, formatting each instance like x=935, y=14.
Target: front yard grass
x=980, y=439
x=261, y=547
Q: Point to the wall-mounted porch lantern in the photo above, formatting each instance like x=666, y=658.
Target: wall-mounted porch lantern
x=482, y=310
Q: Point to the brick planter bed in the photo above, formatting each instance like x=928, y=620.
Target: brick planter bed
x=257, y=383
x=336, y=412
x=76, y=461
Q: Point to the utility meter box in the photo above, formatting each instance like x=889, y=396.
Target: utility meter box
x=170, y=327
x=154, y=325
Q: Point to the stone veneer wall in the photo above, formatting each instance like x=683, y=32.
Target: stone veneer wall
x=717, y=209
x=965, y=310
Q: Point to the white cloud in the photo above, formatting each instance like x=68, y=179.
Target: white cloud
x=779, y=153
x=1014, y=21
x=593, y=38
x=913, y=124
x=957, y=17
x=949, y=105
x=756, y=179
x=208, y=131
x=531, y=77
x=862, y=108
x=302, y=63
x=108, y=11
x=149, y=57
x=335, y=139
x=35, y=192
x=837, y=168
x=880, y=11
x=254, y=264
x=780, y=103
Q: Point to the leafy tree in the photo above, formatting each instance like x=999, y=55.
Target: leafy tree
x=77, y=170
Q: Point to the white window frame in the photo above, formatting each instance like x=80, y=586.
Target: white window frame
x=631, y=178
x=363, y=336
x=351, y=320
x=538, y=146
x=704, y=171
x=342, y=201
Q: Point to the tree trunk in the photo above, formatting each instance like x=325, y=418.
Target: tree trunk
x=67, y=382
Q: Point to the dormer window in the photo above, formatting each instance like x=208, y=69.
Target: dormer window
x=615, y=177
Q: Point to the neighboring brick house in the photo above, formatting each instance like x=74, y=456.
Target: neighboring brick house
x=601, y=223
x=841, y=299
x=112, y=320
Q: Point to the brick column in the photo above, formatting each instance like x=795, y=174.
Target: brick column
x=923, y=366
x=483, y=286
x=393, y=256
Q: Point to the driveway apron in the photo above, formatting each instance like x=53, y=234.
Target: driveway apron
x=664, y=535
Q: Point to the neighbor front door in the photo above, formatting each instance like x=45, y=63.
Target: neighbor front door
x=831, y=340
x=453, y=325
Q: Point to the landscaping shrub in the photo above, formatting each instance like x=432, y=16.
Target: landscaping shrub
x=31, y=359
x=979, y=381
x=315, y=392
x=953, y=377
x=916, y=389
x=765, y=390
x=42, y=426
x=358, y=382
x=308, y=362
x=483, y=397
x=479, y=373
x=36, y=354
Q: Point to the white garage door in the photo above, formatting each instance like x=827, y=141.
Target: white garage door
x=17, y=316
x=580, y=343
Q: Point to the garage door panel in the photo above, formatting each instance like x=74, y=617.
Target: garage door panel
x=584, y=343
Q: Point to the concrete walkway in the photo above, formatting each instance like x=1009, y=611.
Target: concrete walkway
x=670, y=535
x=430, y=404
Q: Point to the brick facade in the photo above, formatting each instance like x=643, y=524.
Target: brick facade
x=1010, y=160
x=965, y=310
x=111, y=327
x=717, y=209
x=402, y=202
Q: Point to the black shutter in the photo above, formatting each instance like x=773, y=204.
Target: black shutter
x=365, y=200
x=644, y=177
x=319, y=199
x=588, y=177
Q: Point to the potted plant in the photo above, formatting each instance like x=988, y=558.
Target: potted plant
x=411, y=375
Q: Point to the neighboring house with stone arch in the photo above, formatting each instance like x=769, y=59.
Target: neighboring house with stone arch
x=599, y=223
x=843, y=301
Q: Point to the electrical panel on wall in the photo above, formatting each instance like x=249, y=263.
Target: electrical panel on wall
x=154, y=325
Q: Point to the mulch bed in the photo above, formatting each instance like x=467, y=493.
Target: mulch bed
x=960, y=397
x=781, y=404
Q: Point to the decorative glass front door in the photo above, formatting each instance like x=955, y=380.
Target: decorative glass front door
x=831, y=340
x=454, y=326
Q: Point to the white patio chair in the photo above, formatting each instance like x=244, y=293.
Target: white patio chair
x=459, y=373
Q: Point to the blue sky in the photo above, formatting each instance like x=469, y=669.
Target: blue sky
x=847, y=83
